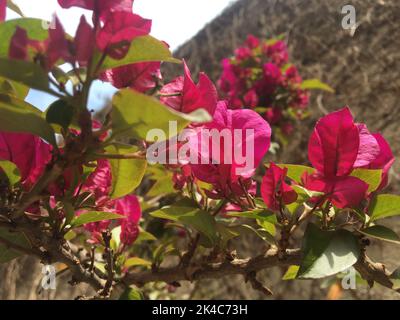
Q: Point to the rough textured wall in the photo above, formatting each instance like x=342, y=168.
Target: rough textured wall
x=362, y=67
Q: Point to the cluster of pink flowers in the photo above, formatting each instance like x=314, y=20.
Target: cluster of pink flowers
x=260, y=76
x=114, y=27
x=337, y=146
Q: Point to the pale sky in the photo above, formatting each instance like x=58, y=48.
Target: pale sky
x=174, y=21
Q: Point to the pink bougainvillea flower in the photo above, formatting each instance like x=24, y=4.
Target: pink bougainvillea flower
x=119, y=29
x=383, y=160
x=336, y=147
x=229, y=177
x=139, y=76
x=99, y=183
x=334, y=144
x=3, y=7
x=274, y=190
x=343, y=191
x=28, y=152
x=47, y=52
x=251, y=98
x=130, y=207
x=252, y=42
x=100, y=7
x=183, y=95
x=277, y=52
x=84, y=42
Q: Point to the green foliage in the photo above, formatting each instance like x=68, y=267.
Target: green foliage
x=142, y=49
x=16, y=238
x=291, y=273
x=60, y=113
x=295, y=171
x=381, y=233
x=136, y=114
x=11, y=172
x=26, y=73
x=187, y=213
x=13, y=88
x=19, y=116
x=126, y=173
x=259, y=214
x=372, y=177
x=94, y=216
x=316, y=84
x=326, y=253
x=383, y=206
x=131, y=294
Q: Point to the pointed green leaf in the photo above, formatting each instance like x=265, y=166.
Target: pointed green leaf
x=142, y=49
x=11, y=171
x=372, y=177
x=19, y=116
x=313, y=84
x=295, y=171
x=187, y=213
x=127, y=174
x=381, y=233
x=291, y=273
x=27, y=73
x=94, y=216
x=136, y=114
x=383, y=206
x=326, y=253
x=136, y=261
x=259, y=214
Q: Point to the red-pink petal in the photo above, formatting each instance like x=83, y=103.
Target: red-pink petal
x=368, y=149
x=274, y=189
x=333, y=146
x=139, y=76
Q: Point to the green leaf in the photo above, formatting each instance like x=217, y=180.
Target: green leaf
x=131, y=294
x=372, y=177
x=259, y=214
x=34, y=28
x=163, y=181
x=136, y=114
x=61, y=113
x=24, y=72
x=17, y=238
x=19, y=116
x=186, y=212
x=381, y=233
x=11, y=171
x=326, y=253
x=136, y=261
x=13, y=88
x=142, y=49
x=313, y=84
x=94, y=216
x=291, y=273
x=144, y=236
x=127, y=174
x=296, y=171
x=384, y=205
